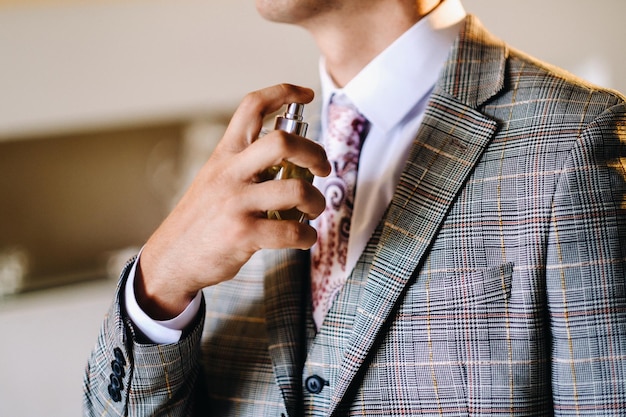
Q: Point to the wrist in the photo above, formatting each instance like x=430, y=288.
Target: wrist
x=161, y=298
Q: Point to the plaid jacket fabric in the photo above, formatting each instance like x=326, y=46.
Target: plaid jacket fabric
x=494, y=284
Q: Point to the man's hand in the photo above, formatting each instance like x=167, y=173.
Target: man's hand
x=221, y=220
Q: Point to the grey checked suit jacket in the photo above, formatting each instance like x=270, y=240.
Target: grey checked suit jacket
x=494, y=284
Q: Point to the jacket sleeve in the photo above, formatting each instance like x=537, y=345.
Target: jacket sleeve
x=125, y=377
x=586, y=272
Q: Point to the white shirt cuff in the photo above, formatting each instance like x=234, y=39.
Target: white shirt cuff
x=158, y=331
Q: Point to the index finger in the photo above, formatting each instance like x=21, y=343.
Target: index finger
x=246, y=123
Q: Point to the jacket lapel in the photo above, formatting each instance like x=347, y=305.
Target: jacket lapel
x=286, y=286
x=451, y=139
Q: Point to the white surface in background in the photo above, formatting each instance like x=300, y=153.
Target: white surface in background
x=46, y=340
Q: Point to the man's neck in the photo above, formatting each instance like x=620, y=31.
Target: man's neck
x=349, y=41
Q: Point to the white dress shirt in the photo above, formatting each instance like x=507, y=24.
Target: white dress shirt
x=391, y=92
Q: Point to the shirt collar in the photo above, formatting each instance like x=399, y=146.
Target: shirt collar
x=411, y=63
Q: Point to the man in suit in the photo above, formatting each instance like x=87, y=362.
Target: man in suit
x=485, y=271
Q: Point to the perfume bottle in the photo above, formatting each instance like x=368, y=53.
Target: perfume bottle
x=291, y=121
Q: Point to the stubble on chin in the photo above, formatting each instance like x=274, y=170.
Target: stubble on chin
x=294, y=11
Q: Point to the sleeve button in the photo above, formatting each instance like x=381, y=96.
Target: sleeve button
x=117, y=368
x=116, y=383
x=119, y=356
x=115, y=394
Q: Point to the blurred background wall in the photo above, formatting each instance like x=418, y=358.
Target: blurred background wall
x=107, y=108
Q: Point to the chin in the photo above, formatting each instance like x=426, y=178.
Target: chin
x=291, y=11
x=275, y=10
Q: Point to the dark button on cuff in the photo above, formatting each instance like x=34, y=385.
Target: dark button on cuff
x=315, y=384
x=116, y=383
x=119, y=356
x=117, y=366
x=115, y=394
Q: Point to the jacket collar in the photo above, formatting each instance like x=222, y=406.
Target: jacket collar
x=475, y=69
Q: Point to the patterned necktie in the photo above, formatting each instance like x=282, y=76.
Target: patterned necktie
x=346, y=131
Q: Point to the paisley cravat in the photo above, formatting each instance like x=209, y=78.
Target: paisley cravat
x=343, y=140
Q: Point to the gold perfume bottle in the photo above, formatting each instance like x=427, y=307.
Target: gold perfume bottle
x=291, y=121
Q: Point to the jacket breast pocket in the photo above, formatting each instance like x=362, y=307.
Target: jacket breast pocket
x=472, y=289
x=448, y=332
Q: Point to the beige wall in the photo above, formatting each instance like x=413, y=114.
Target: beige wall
x=82, y=64
x=92, y=94
x=586, y=38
